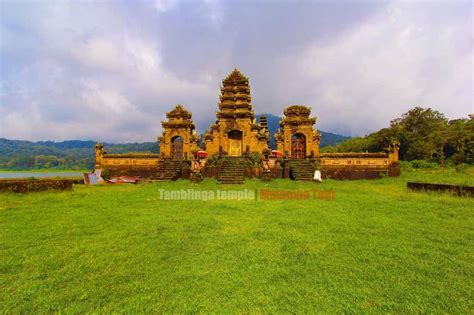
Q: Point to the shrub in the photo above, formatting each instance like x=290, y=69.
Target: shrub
x=461, y=168
x=405, y=164
x=212, y=160
x=105, y=173
x=254, y=160
x=423, y=164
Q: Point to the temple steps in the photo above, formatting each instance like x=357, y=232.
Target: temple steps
x=168, y=170
x=301, y=170
x=231, y=171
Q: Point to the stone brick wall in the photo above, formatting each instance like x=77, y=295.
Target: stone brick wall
x=358, y=165
x=33, y=185
x=131, y=164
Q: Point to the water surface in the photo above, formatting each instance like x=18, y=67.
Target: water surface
x=28, y=174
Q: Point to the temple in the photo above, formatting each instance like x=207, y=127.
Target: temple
x=236, y=130
x=236, y=146
x=179, y=139
x=298, y=138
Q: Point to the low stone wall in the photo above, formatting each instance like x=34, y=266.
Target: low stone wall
x=131, y=164
x=249, y=172
x=352, y=173
x=455, y=189
x=125, y=170
x=33, y=185
x=358, y=165
x=277, y=172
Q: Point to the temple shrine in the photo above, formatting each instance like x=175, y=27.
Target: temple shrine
x=179, y=139
x=297, y=137
x=236, y=130
x=236, y=146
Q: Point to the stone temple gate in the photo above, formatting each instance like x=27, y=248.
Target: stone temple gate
x=179, y=139
x=297, y=138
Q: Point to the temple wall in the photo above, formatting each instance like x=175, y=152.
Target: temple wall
x=143, y=165
x=359, y=165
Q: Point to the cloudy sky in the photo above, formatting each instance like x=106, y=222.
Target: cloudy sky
x=109, y=70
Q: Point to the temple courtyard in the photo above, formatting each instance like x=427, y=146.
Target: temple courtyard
x=364, y=246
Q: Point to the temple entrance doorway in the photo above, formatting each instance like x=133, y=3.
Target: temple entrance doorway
x=177, y=147
x=298, y=146
x=235, y=143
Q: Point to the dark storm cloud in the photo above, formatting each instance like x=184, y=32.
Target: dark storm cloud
x=111, y=70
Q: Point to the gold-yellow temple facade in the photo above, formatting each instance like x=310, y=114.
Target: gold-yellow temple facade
x=179, y=139
x=236, y=131
x=298, y=138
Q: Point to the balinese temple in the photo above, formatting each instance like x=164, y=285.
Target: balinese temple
x=236, y=133
x=179, y=139
x=236, y=130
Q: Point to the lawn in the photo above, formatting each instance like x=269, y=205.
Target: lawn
x=376, y=247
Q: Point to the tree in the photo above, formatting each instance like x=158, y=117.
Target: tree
x=424, y=134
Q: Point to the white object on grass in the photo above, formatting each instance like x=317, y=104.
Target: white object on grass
x=317, y=176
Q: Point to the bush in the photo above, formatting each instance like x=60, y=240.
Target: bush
x=423, y=164
x=254, y=160
x=212, y=160
x=105, y=173
x=461, y=168
x=405, y=164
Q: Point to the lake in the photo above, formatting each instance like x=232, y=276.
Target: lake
x=28, y=174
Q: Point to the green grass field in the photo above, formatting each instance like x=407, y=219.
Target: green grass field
x=376, y=247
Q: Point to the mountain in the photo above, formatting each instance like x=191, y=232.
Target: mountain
x=327, y=138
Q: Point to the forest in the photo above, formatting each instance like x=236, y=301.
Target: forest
x=424, y=135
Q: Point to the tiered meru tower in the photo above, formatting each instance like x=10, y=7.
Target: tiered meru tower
x=236, y=131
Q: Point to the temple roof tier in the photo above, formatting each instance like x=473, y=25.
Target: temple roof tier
x=235, y=89
x=179, y=112
x=182, y=124
x=234, y=97
x=247, y=114
x=305, y=121
x=235, y=105
x=236, y=77
x=297, y=110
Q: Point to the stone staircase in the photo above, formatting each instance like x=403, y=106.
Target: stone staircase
x=301, y=169
x=231, y=171
x=168, y=170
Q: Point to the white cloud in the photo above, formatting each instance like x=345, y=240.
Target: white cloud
x=390, y=63
x=101, y=54
x=165, y=5
x=111, y=70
